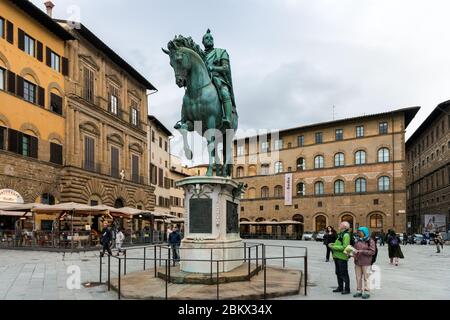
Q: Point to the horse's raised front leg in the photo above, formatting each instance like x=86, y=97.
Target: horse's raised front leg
x=183, y=129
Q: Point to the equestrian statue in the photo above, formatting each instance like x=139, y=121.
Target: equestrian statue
x=209, y=98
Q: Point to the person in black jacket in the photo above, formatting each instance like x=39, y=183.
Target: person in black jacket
x=174, y=242
x=106, y=239
x=329, y=237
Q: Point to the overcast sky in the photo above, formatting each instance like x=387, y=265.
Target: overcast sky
x=292, y=60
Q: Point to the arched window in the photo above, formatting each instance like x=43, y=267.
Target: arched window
x=339, y=187
x=383, y=155
x=384, y=184
x=339, y=159
x=118, y=203
x=318, y=162
x=321, y=223
x=376, y=221
x=301, y=164
x=301, y=190
x=319, y=188
x=47, y=198
x=239, y=172
x=264, y=192
x=278, y=167
x=360, y=157
x=278, y=192
x=360, y=185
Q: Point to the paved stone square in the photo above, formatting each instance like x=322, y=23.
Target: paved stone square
x=422, y=275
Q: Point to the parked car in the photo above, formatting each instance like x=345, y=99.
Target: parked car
x=320, y=235
x=418, y=238
x=308, y=235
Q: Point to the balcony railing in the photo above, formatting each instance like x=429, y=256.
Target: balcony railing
x=138, y=179
x=92, y=166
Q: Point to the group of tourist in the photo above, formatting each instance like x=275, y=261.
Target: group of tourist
x=362, y=247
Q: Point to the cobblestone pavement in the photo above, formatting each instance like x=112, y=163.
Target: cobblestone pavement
x=31, y=275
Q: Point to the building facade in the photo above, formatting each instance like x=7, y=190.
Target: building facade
x=346, y=170
x=165, y=170
x=105, y=159
x=428, y=173
x=33, y=136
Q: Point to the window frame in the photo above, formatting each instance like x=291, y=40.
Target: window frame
x=383, y=128
x=319, y=137
x=303, y=191
x=360, y=131
x=359, y=185
x=135, y=117
x=301, y=141
x=339, y=134
x=55, y=61
x=27, y=47
x=382, y=185
x=319, y=162
x=2, y=79
x=319, y=188
x=339, y=186
x=358, y=160
x=278, y=145
x=339, y=160
x=2, y=28
x=278, y=167
x=27, y=85
x=383, y=157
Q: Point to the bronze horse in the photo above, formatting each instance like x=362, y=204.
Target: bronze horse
x=201, y=103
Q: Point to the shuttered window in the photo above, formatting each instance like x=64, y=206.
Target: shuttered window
x=89, y=154
x=56, y=153
x=135, y=168
x=56, y=103
x=39, y=51
x=11, y=82
x=161, y=178
x=114, y=100
x=153, y=174
x=10, y=32
x=23, y=144
x=2, y=138
x=114, y=162
x=65, y=66
x=55, y=61
x=88, y=88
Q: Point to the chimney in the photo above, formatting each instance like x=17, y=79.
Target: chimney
x=49, y=5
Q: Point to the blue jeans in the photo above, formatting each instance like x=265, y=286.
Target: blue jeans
x=175, y=252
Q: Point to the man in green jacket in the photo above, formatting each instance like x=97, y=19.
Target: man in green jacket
x=341, y=259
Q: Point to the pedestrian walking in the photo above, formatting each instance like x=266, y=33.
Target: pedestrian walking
x=341, y=259
x=329, y=237
x=382, y=238
x=364, y=258
x=405, y=239
x=174, y=242
x=439, y=241
x=394, y=249
x=106, y=239
x=120, y=237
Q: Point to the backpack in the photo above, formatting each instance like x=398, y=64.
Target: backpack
x=352, y=238
x=394, y=242
x=374, y=257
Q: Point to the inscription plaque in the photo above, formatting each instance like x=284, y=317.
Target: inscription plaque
x=232, y=217
x=200, y=216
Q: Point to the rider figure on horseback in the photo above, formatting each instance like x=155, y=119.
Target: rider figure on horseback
x=218, y=64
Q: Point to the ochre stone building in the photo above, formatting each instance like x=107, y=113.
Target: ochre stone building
x=32, y=98
x=428, y=173
x=106, y=158
x=321, y=174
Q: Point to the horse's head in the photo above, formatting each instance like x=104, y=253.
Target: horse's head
x=180, y=62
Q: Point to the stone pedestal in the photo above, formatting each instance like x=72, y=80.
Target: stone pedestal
x=211, y=230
